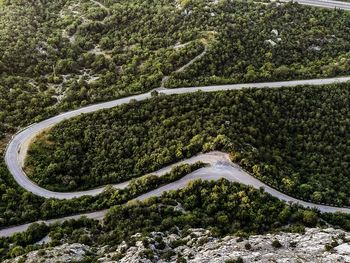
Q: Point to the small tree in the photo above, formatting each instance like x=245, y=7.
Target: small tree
x=16, y=251
x=154, y=93
x=276, y=244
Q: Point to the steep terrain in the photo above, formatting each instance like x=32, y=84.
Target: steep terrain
x=199, y=246
x=61, y=55
x=294, y=139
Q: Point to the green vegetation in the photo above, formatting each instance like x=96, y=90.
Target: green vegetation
x=294, y=139
x=48, y=60
x=57, y=55
x=222, y=207
x=276, y=244
x=18, y=206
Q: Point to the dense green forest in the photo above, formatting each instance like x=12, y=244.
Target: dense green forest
x=62, y=54
x=222, y=207
x=57, y=55
x=18, y=206
x=295, y=139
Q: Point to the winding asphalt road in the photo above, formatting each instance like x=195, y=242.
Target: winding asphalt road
x=323, y=3
x=220, y=165
x=18, y=146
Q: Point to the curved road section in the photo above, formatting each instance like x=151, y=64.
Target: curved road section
x=330, y=4
x=18, y=146
x=220, y=165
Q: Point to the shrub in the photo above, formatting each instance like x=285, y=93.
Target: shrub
x=276, y=244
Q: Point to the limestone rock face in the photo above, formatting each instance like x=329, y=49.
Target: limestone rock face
x=199, y=246
x=64, y=253
x=316, y=245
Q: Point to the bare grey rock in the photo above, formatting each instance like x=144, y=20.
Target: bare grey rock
x=199, y=246
x=64, y=253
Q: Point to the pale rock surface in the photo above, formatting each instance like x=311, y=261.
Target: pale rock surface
x=199, y=246
x=275, y=32
x=271, y=42
x=64, y=253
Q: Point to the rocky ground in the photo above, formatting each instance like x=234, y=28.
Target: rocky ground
x=198, y=245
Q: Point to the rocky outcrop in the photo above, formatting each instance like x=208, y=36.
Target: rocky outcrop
x=316, y=245
x=64, y=253
x=199, y=246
